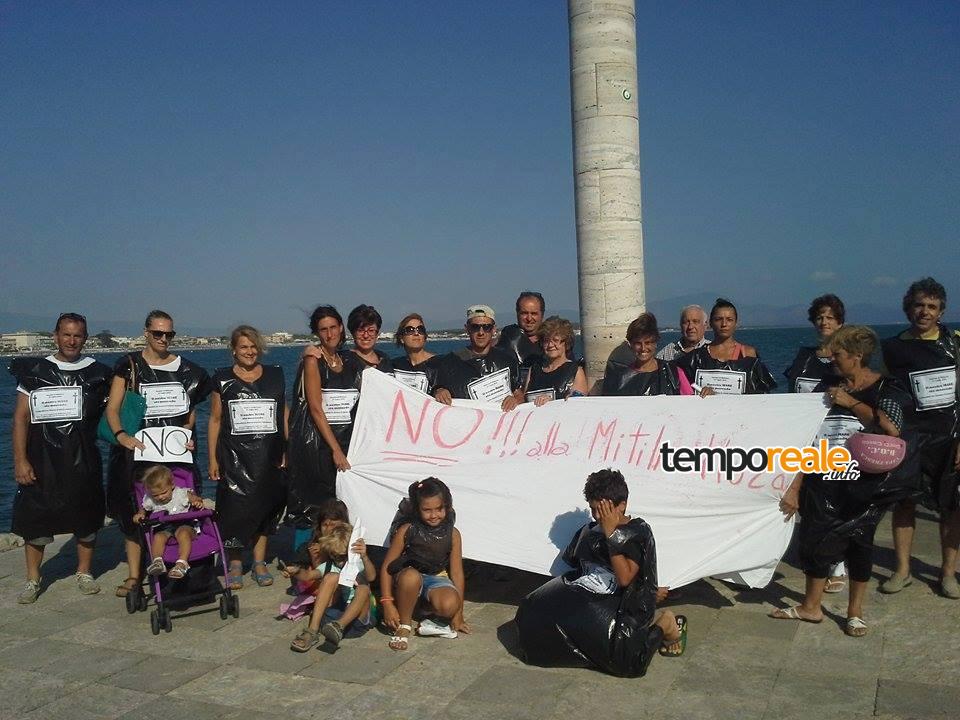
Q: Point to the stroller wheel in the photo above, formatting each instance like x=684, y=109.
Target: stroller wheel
x=235, y=606
x=155, y=622
x=167, y=622
x=224, y=607
x=142, y=605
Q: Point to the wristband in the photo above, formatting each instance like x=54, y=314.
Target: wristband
x=118, y=433
x=386, y=599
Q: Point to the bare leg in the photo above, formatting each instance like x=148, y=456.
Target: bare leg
x=667, y=622
x=949, y=542
x=406, y=591
x=358, y=607
x=85, y=556
x=33, y=558
x=858, y=590
x=445, y=602
x=904, y=524
x=325, y=592
x=260, y=548
x=184, y=535
x=157, y=546
x=132, y=548
x=810, y=608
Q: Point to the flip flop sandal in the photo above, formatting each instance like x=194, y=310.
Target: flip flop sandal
x=665, y=650
x=855, y=627
x=264, y=579
x=835, y=584
x=178, y=570
x=127, y=586
x=402, y=642
x=304, y=641
x=333, y=633
x=792, y=613
x=235, y=576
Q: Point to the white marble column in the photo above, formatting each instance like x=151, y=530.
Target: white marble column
x=606, y=166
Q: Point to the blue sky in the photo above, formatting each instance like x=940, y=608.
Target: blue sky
x=244, y=161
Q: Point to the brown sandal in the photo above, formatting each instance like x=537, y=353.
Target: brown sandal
x=124, y=588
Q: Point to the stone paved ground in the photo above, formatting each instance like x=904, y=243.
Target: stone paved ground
x=85, y=657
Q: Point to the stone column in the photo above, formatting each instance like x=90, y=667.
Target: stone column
x=606, y=167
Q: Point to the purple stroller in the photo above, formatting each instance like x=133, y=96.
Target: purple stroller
x=207, y=544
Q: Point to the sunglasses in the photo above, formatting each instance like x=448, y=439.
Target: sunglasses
x=413, y=330
x=480, y=327
x=160, y=334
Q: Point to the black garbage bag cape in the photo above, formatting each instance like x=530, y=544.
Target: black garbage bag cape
x=622, y=380
x=757, y=378
x=560, y=381
x=311, y=474
x=810, y=372
x=564, y=625
x=836, y=513
x=67, y=496
x=424, y=375
x=251, y=493
x=123, y=471
x=461, y=367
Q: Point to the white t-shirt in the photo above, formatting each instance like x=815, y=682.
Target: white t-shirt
x=179, y=502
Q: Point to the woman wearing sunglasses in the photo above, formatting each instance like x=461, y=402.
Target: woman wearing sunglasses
x=418, y=367
x=172, y=387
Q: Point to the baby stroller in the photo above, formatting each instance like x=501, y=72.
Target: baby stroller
x=206, y=545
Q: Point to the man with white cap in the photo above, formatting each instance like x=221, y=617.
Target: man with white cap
x=480, y=371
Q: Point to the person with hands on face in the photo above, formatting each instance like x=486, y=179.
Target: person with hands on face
x=56, y=462
x=554, y=376
x=246, y=435
x=460, y=372
x=155, y=373
x=840, y=516
x=424, y=562
x=602, y=613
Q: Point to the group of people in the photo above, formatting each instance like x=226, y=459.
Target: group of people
x=277, y=462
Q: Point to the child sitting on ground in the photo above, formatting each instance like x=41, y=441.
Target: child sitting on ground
x=424, y=561
x=336, y=610
x=162, y=495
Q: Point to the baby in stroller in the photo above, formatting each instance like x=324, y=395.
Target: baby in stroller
x=161, y=494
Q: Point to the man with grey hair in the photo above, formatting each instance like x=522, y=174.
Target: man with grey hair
x=693, y=326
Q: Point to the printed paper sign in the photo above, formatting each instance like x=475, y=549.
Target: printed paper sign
x=354, y=565
x=805, y=385
x=56, y=404
x=537, y=458
x=164, y=445
x=549, y=394
x=165, y=400
x=491, y=388
x=934, y=388
x=723, y=382
x=837, y=429
x=337, y=405
x=415, y=380
x=253, y=416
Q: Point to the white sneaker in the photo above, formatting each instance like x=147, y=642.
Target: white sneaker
x=431, y=628
x=86, y=584
x=30, y=592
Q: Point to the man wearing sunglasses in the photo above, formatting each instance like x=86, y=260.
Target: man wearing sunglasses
x=480, y=371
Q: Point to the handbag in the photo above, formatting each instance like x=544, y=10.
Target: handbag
x=132, y=410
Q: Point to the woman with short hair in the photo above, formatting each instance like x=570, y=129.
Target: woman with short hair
x=840, y=516
x=553, y=375
x=364, y=323
x=246, y=438
x=648, y=375
x=811, y=370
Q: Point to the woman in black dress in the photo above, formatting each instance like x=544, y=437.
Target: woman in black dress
x=648, y=375
x=812, y=370
x=553, y=376
x=246, y=442
x=418, y=367
x=172, y=387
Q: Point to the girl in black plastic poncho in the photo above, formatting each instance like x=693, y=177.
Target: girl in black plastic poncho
x=603, y=613
x=424, y=561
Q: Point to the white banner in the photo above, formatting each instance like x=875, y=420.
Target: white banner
x=517, y=478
